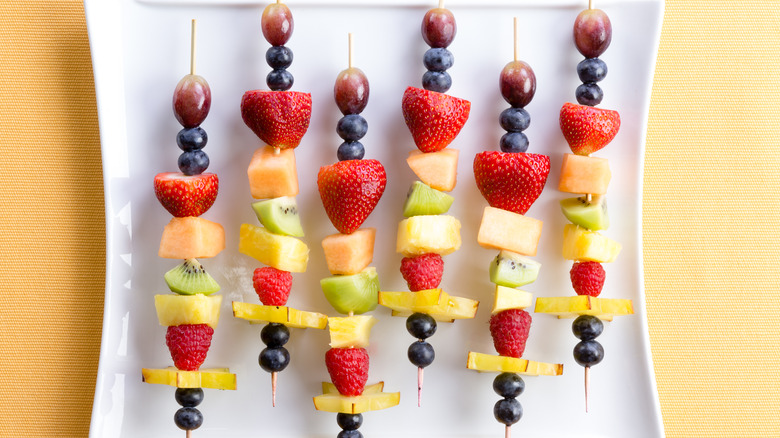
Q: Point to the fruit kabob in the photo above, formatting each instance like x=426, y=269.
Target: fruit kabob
x=350, y=190
x=191, y=313
x=279, y=118
x=511, y=180
x=434, y=120
x=587, y=129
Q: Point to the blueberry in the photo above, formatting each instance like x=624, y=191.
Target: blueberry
x=192, y=139
x=508, y=411
x=279, y=80
x=349, y=421
x=349, y=434
x=592, y=70
x=275, y=335
x=589, y=94
x=350, y=150
x=588, y=353
x=188, y=418
x=587, y=327
x=421, y=354
x=279, y=57
x=193, y=162
x=274, y=359
x=438, y=59
x=352, y=127
x=189, y=397
x=421, y=325
x=439, y=81
x=508, y=385
x=514, y=142
x=514, y=119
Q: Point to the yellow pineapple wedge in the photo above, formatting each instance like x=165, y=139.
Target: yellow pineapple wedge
x=294, y=318
x=405, y=301
x=214, y=378
x=350, y=331
x=584, y=245
x=509, y=298
x=490, y=363
x=425, y=234
x=358, y=404
x=448, y=309
x=329, y=388
x=281, y=252
x=187, y=309
x=571, y=307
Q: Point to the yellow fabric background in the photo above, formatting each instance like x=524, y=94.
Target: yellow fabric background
x=710, y=214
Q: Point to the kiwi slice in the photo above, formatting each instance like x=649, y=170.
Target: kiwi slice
x=279, y=216
x=587, y=214
x=190, y=278
x=425, y=200
x=357, y=293
x=512, y=270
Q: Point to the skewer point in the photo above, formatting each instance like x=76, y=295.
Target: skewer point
x=419, y=386
x=273, y=388
x=188, y=434
x=507, y=431
x=350, y=50
x=192, y=46
x=441, y=4
x=516, y=45
x=587, y=382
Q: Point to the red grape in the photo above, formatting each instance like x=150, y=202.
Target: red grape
x=277, y=24
x=517, y=83
x=191, y=101
x=592, y=32
x=438, y=27
x=351, y=91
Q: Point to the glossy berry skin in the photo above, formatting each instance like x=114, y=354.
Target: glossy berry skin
x=517, y=83
x=189, y=397
x=352, y=127
x=349, y=434
x=279, y=57
x=275, y=335
x=438, y=27
x=421, y=325
x=189, y=344
x=349, y=421
x=191, y=101
x=514, y=142
x=350, y=150
x=589, y=94
x=592, y=32
x=438, y=81
x=351, y=91
x=438, y=59
x=423, y=271
x=188, y=418
x=587, y=327
x=588, y=353
x=279, y=80
x=192, y=139
x=508, y=385
x=592, y=70
x=193, y=162
x=508, y=411
x=514, y=119
x=274, y=359
x=421, y=354
x=277, y=24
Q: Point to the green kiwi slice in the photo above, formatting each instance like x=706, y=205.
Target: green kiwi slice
x=279, y=216
x=425, y=200
x=357, y=293
x=513, y=270
x=587, y=214
x=190, y=278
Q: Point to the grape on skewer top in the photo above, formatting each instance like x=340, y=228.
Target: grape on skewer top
x=277, y=24
x=518, y=84
x=592, y=32
x=438, y=27
x=191, y=100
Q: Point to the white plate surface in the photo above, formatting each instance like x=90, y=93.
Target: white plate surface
x=141, y=49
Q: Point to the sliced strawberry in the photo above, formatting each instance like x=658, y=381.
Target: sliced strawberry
x=350, y=190
x=511, y=181
x=587, y=278
x=510, y=331
x=348, y=369
x=279, y=118
x=434, y=119
x=588, y=129
x=189, y=344
x=184, y=195
x=272, y=285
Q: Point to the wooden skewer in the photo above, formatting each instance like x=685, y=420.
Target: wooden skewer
x=587, y=382
x=590, y=4
x=508, y=431
x=419, y=386
x=517, y=49
x=350, y=50
x=441, y=4
x=188, y=434
x=273, y=388
x=588, y=197
x=192, y=46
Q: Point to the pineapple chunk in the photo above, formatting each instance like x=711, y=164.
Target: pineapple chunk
x=421, y=301
x=348, y=254
x=358, y=404
x=376, y=388
x=584, y=175
x=506, y=230
x=187, y=309
x=419, y=235
x=215, y=378
x=350, y=331
x=571, y=307
x=282, y=252
x=437, y=169
x=294, y=318
x=502, y=364
x=508, y=298
x=583, y=245
x=448, y=309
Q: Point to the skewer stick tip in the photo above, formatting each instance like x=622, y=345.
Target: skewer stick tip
x=507, y=431
x=587, y=384
x=590, y=4
x=192, y=46
x=188, y=434
x=350, y=50
x=441, y=4
x=419, y=386
x=517, y=49
x=273, y=388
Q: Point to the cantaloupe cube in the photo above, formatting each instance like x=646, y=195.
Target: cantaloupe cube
x=348, y=254
x=584, y=175
x=281, y=252
x=502, y=229
x=584, y=245
x=437, y=169
x=191, y=238
x=272, y=174
x=425, y=234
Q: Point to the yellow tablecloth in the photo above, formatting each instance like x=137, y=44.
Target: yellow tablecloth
x=710, y=213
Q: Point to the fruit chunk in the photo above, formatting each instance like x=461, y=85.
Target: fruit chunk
x=350, y=331
x=348, y=254
x=446, y=309
x=191, y=100
x=191, y=238
x=502, y=229
x=588, y=129
x=213, y=378
x=351, y=91
x=592, y=32
x=511, y=181
x=281, y=252
x=509, y=330
x=513, y=270
x=588, y=246
x=517, y=83
x=587, y=214
x=350, y=190
x=423, y=271
x=271, y=174
x=277, y=24
x=184, y=195
x=376, y=388
x=279, y=118
x=356, y=405
x=436, y=169
x=500, y=364
x=187, y=309
x=507, y=298
x=424, y=200
x=294, y=318
x=585, y=175
x=434, y=119
x=348, y=369
x=189, y=344
x=272, y=285
x=355, y=293
x=570, y=307
x=587, y=278
x=190, y=278
x=419, y=235
x=438, y=27
x=279, y=215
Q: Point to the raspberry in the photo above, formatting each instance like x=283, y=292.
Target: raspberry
x=272, y=286
x=189, y=344
x=348, y=369
x=422, y=272
x=587, y=278
x=510, y=331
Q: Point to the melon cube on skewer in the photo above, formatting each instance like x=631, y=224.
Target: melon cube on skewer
x=437, y=169
x=271, y=174
x=348, y=254
x=502, y=229
x=584, y=175
x=191, y=238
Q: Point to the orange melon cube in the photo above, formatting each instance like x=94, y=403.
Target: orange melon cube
x=502, y=229
x=584, y=175
x=348, y=254
x=437, y=169
x=272, y=174
x=191, y=238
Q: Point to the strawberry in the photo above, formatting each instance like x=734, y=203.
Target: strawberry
x=422, y=272
x=587, y=278
x=272, y=285
x=510, y=331
x=511, y=181
x=434, y=119
x=189, y=344
x=279, y=118
x=588, y=129
x=348, y=369
x=184, y=195
x=350, y=190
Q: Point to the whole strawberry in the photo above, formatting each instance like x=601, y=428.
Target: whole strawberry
x=511, y=181
x=510, y=331
x=189, y=344
x=588, y=129
x=422, y=272
x=272, y=285
x=348, y=369
x=279, y=118
x=184, y=195
x=587, y=278
x=434, y=119
x=350, y=190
